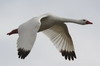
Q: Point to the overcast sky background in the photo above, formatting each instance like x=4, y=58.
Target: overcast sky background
x=86, y=38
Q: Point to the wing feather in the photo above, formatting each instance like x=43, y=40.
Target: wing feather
x=61, y=38
x=27, y=35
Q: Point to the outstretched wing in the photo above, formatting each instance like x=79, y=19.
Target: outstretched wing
x=61, y=38
x=27, y=35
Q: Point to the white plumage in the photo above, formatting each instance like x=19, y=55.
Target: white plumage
x=53, y=27
x=27, y=35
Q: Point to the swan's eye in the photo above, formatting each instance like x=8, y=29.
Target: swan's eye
x=84, y=20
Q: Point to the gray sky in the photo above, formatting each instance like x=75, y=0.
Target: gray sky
x=86, y=38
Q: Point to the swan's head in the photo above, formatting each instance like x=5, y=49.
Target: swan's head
x=85, y=22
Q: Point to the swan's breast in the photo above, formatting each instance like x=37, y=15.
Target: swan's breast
x=46, y=23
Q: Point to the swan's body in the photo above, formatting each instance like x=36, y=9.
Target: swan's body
x=52, y=26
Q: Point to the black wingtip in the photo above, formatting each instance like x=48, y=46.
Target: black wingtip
x=23, y=53
x=70, y=55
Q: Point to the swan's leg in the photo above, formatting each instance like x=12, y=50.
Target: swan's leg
x=15, y=31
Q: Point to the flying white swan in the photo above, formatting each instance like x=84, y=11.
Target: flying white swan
x=53, y=27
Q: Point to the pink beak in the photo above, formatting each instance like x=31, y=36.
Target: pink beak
x=89, y=22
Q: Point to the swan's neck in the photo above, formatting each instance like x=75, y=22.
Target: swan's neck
x=69, y=20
